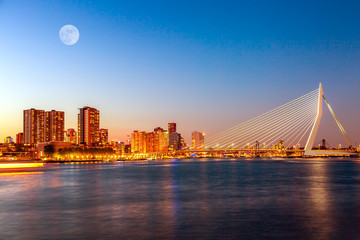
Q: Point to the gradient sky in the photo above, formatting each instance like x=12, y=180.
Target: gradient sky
x=207, y=65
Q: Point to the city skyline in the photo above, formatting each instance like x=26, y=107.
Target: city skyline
x=206, y=67
x=47, y=128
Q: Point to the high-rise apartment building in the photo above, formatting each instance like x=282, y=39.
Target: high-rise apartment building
x=104, y=136
x=54, y=126
x=144, y=142
x=171, y=128
x=34, y=131
x=41, y=126
x=135, y=142
x=161, y=140
x=174, y=141
x=89, y=126
x=19, y=138
x=70, y=136
x=198, y=140
x=139, y=143
x=150, y=142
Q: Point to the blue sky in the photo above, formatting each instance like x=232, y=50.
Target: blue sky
x=207, y=65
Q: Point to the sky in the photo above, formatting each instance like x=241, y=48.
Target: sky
x=206, y=65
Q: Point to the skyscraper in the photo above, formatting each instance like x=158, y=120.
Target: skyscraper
x=174, y=141
x=172, y=127
x=88, y=126
x=34, y=126
x=104, y=136
x=54, y=126
x=198, y=140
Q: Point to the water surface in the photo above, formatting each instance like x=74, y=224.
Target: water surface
x=184, y=199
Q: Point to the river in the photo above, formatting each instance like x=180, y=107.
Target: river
x=184, y=199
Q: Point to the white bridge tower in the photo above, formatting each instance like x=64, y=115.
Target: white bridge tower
x=311, y=139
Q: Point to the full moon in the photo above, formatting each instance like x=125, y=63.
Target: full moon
x=69, y=34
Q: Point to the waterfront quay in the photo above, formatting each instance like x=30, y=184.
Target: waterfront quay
x=107, y=155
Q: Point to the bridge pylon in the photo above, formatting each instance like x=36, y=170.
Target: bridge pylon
x=310, y=142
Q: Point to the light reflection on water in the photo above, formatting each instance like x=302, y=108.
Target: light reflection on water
x=184, y=199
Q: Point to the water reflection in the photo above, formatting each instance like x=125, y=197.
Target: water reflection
x=192, y=199
x=319, y=207
x=17, y=173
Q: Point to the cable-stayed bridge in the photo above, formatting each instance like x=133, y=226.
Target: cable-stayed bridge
x=283, y=127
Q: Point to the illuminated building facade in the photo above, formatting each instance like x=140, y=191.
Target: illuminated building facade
x=150, y=142
x=19, y=138
x=198, y=140
x=142, y=142
x=135, y=142
x=182, y=143
x=34, y=131
x=89, y=126
x=54, y=126
x=171, y=128
x=8, y=140
x=280, y=145
x=174, y=141
x=145, y=142
x=139, y=143
x=118, y=147
x=104, y=136
x=70, y=136
x=161, y=140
